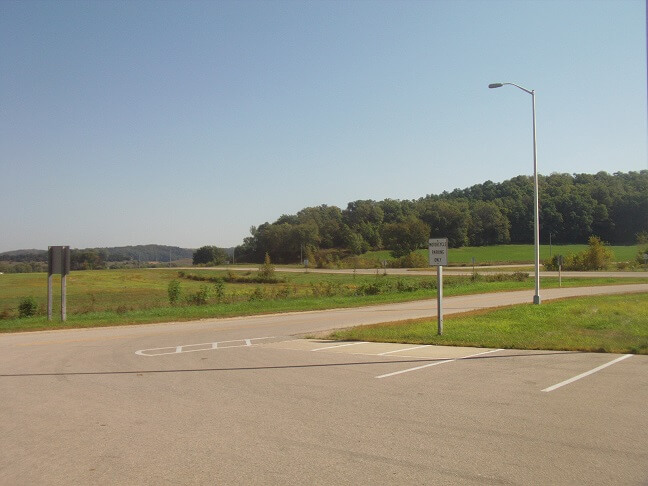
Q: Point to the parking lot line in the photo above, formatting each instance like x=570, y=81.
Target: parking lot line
x=406, y=349
x=435, y=364
x=191, y=348
x=587, y=373
x=339, y=346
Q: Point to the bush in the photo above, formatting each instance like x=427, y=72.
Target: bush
x=374, y=288
x=596, y=257
x=200, y=297
x=267, y=271
x=520, y=276
x=6, y=313
x=403, y=286
x=258, y=294
x=219, y=288
x=174, y=292
x=413, y=260
x=27, y=307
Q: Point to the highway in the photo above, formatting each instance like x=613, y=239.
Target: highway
x=249, y=401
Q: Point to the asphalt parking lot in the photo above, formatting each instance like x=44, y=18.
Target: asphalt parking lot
x=245, y=401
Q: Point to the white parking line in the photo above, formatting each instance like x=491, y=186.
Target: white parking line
x=587, y=373
x=339, y=346
x=203, y=347
x=414, y=369
x=406, y=349
x=436, y=363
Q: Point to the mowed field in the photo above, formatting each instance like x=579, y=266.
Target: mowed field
x=511, y=254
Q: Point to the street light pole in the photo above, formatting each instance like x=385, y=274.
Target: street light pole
x=536, y=218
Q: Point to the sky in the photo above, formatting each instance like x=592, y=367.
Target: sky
x=187, y=122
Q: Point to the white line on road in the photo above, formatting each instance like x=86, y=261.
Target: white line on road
x=339, y=346
x=417, y=368
x=205, y=347
x=436, y=363
x=406, y=349
x=587, y=373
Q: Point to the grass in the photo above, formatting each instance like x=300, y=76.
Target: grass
x=511, y=254
x=613, y=324
x=116, y=297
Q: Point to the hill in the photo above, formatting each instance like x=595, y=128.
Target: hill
x=142, y=253
x=573, y=207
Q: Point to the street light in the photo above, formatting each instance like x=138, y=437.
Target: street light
x=536, y=219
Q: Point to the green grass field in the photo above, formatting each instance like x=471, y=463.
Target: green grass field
x=113, y=297
x=613, y=324
x=511, y=254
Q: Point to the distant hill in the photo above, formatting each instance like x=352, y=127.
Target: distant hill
x=142, y=253
x=24, y=256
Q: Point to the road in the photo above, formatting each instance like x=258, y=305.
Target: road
x=464, y=271
x=246, y=401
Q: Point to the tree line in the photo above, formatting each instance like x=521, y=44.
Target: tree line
x=25, y=261
x=573, y=207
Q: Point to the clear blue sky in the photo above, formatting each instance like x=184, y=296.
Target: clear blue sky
x=185, y=123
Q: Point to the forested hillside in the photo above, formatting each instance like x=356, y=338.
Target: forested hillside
x=93, y=258
x=572, y=208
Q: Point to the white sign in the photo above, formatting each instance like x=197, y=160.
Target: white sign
x=438, y=252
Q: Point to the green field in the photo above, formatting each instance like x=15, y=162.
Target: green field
x=614, y=324
x=511, y=254
x=112, y=297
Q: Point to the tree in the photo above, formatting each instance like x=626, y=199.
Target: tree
x=447, y=219
x=597, y=256
x=209, y=255
x=328, y=220
x=86, y=260
x=405, y=237
x=267, y=271
x=489, y=226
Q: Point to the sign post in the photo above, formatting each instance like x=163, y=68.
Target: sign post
x=58, y=262
x=438, y=256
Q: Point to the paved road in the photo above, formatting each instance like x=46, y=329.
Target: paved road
x=244, y=401
x=447, y=271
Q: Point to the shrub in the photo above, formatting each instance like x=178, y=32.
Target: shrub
x=551, y=264
x=329, y=258
x=267, y=271
x=5, y=314
x=200, y=297
x=403, y=286
x=356, y=261
x=374, y=288
x=520, y=276
x=174, y=292
x=219, y=288
x=258, y=294
x=413, y=260
x=283, y=292
x=27, y=307
x=597, y=256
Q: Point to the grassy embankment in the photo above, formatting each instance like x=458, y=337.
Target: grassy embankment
x=114, y=297
x=613, y=324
